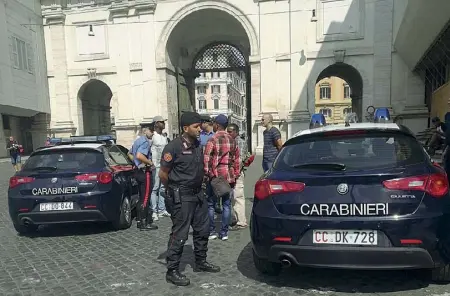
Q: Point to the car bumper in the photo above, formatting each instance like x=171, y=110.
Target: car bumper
x=368, y=258
x=42, y=218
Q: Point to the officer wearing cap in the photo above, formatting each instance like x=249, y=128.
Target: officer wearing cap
x=207, y=130
x=142, y=159
x=183, y=175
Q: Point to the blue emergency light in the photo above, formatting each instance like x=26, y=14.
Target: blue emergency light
x=317, y=120
x=83, y=139
x=381, y=114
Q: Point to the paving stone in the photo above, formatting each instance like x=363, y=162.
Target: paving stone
x=88, y=259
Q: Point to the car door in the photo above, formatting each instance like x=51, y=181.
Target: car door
x=125, y=151
x=126, y=170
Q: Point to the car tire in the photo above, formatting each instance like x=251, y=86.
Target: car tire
x=265, y=266
x=24, y=230
x=125, y=218
x=441, y=274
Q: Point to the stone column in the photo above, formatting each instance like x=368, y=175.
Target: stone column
x=255, y=75
x=382, y=53
x=61, y=118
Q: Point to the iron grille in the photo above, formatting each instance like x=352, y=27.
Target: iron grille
x=219, y=57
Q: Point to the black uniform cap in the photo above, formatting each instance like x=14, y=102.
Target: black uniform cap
x=188, y=118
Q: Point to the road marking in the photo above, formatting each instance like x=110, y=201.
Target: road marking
x=214, y=286
x=118, y=285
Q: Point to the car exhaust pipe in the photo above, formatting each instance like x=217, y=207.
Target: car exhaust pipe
x=26, y=221
x=286, y=263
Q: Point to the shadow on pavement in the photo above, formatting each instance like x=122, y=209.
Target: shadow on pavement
x=186, y=259
x=73, y=229
x=332, y=280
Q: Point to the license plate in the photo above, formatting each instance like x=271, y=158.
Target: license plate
x=56, y=206
x=345, y=237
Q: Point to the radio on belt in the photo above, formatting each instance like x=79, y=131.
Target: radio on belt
x=317, y=120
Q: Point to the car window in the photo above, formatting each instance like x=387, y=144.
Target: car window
x=356, y=152
x=117, y=155
x=123, y=149
x=65, y=159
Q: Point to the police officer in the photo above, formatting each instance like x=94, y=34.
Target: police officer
x=182, y=173
x=142, y=159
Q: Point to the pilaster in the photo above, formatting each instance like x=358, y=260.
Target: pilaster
x=61, y=121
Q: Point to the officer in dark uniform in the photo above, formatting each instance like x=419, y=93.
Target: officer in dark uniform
x=142, y=159
x=182, y=172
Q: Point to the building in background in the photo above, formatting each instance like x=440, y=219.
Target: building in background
x=24, y=94
x=222, y=93
x=333, y=99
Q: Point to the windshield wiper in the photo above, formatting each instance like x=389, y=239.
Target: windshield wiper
x=45, y=168
x=322, y=166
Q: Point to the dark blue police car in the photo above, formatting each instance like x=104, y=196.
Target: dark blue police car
x=357, y=196
x=79, y=179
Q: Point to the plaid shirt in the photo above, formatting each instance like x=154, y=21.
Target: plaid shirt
x=217, y=157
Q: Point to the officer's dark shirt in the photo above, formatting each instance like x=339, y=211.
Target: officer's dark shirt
x=185, y=161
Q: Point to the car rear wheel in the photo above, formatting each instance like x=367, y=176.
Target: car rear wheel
x=124, y=220
x=441, y=274
x=265, y=266
x=24, y=230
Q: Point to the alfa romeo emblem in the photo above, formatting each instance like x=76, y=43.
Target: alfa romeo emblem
x=342, y=188
x=54, y=180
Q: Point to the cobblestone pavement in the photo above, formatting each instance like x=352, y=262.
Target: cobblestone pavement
x=90, y=260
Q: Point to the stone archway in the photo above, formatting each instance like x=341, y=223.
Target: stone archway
x=354, y=80
x=195, y=28
x=95, y=98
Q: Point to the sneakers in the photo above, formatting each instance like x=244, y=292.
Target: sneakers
x=155, y=216
x=164, y=214
x=213, y=236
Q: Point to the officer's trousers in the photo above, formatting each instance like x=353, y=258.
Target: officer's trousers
x=192, y=211
x=144, y=180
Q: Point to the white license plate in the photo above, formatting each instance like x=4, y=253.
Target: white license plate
x=56, y=206
x=345, y=237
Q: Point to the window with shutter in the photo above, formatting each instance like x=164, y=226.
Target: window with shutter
x=30, y=59
x=14, y=52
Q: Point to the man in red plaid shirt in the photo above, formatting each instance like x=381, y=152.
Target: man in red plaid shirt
x=221, y=158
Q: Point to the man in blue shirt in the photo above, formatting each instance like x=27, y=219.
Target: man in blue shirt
x=272, y=142
x=207, y=130
x=142, y=159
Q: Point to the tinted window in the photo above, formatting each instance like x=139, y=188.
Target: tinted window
x=369, y=151
x=62, y=159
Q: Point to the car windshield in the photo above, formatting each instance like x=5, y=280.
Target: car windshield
x=62, y=159
x=350, y=152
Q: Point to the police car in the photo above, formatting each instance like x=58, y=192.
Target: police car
x=79, y=179
x=357, y=196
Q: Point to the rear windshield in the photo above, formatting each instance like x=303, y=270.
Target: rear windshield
x=65, y=160
x=355, y=152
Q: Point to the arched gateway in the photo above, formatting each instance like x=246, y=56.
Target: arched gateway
x=211, y=36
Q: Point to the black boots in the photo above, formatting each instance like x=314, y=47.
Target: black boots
x=144, y=225
x=142, y=219
x=206, y=267
x=175, y=277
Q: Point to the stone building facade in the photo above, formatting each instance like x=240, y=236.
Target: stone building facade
x=141, y=57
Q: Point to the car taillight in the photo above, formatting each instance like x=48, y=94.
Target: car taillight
x=266, y=188
x=16, y=181
x=435, y=185
x=102, y=178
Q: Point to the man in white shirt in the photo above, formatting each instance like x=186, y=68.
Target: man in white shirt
x=159, y=141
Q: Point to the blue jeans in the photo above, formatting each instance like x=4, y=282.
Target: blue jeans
x=226, y=214
x=158, y=191
x=266, y=165
x=15, y=159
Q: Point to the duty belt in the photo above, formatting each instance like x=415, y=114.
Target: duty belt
x=188, y=191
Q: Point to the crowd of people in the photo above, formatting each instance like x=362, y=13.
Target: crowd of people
x=195, y=176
